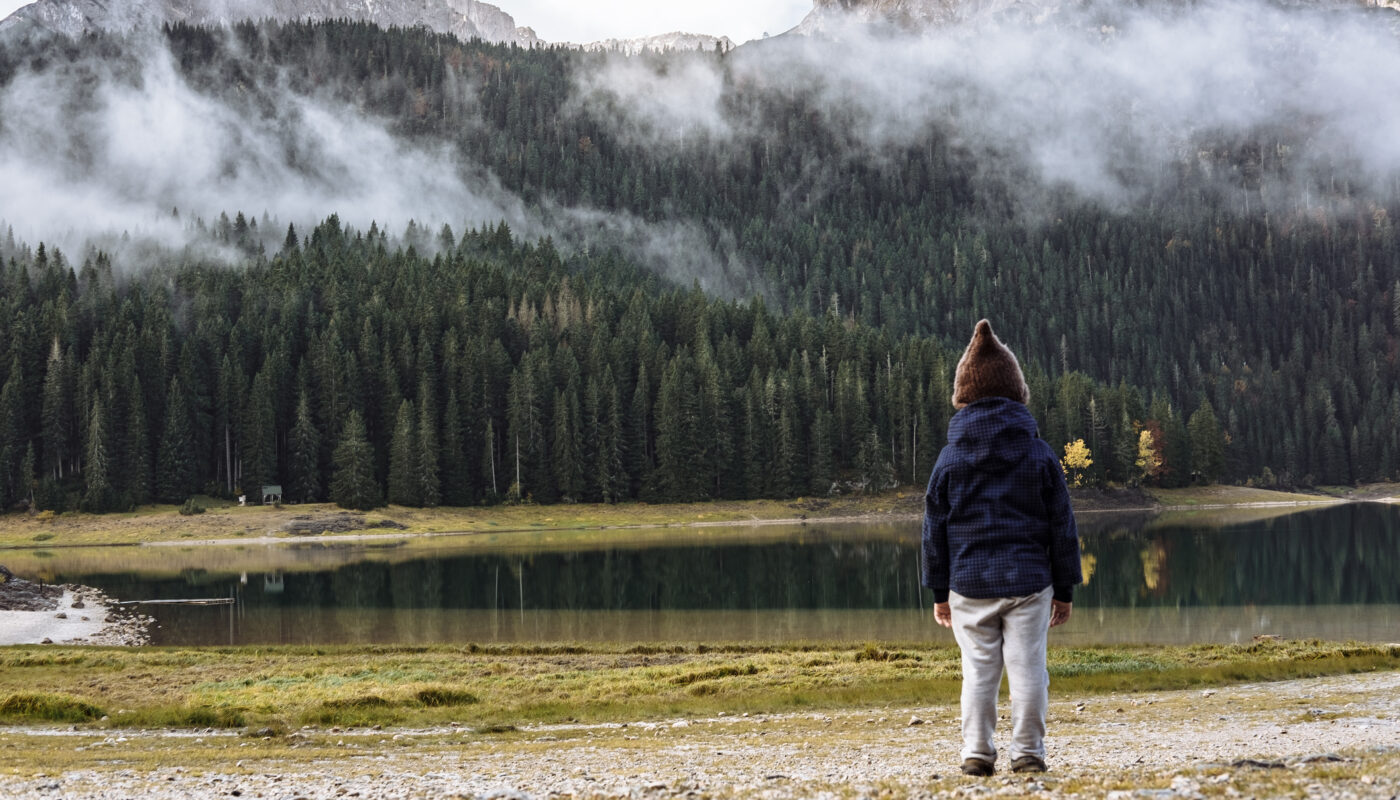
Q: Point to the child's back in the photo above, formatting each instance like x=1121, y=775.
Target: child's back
x=1000, y=551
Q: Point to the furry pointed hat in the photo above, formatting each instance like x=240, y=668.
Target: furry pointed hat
x=988, y=369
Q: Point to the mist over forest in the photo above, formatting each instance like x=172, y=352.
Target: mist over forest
x=559, y=273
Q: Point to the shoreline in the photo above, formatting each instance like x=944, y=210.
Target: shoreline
x=263, y=525
x=78, y=615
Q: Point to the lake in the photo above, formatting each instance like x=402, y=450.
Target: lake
x=1330, y=573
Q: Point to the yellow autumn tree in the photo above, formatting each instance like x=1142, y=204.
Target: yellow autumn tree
x=1077, y=459
x=1149, y=458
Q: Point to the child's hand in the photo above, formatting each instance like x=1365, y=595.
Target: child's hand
x=1059, y=612
x=943, y=614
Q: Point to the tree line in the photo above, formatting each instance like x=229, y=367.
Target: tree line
x=1262, y=326
x=347, y=368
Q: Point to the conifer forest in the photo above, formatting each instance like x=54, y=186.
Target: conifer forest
x=1239, y=321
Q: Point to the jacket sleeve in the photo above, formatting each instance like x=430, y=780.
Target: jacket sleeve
x=1064, y=533
x=935, y=571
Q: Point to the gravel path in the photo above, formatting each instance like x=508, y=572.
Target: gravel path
x=1325, y=737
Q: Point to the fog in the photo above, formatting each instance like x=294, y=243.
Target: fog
x=1097, y=99
x=132, y=156
x=137, y=148
x=1101, y=102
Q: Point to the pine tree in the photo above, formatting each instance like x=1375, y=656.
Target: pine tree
x=303, y=456
x=11, y=433
x=1207, y=444
x=429, y=488
x=175, y=461
x=823, y=476
x=57, y=414
x=97, y=485
x=678, y=477
x=259, y=438
x=568, y=448
x=28, y=479
x=353, y=484
x=403, y=462
x=456, y=481
x=639, y=463
x=136, y=463
x=875, y=472
x=611, y=466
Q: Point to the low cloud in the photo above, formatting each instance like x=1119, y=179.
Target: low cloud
x=1100, y=99
x=104, y=151
x=657, y=100
x=109, y=152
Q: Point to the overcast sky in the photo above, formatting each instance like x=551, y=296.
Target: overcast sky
x=590, y=20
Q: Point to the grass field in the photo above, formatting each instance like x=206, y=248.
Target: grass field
x=281, y=688
x=225, y=521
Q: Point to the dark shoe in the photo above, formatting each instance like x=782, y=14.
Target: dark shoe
x=977, y=768
x=1027, y=764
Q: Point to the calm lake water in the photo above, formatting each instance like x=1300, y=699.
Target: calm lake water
x=1330, y=573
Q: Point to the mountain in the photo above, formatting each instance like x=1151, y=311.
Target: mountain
x=465, y=19
x=662, y=42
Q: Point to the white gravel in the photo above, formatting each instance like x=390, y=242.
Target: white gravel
x=1331, y=737
x=81, y=616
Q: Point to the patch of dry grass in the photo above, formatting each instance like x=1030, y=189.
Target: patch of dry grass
x=1220, y=495
x=225, y=521
x=291, y=686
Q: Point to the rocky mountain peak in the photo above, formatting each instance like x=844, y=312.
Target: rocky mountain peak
x=465, y=19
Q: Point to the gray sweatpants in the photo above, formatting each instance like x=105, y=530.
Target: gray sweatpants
x=997, y=633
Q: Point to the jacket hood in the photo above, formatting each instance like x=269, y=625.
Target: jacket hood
x=993, y=435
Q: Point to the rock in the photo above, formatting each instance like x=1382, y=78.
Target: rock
x=60, y=615
x=915, y=721
x=1320, y=758
x=1258, y=764
x=79, y=603
x=1207, y=693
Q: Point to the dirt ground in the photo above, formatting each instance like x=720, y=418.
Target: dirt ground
x=1336, y=737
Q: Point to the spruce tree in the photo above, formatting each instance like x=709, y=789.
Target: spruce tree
x=456, y=486
x=57, y=414
x=429, y=488
x=175, y=461
x=303, y=455
x=97, y=483
x=28, y=479
x=611, y=453
x=352, y=484
x=568, y=449
x=259, y=438
x=639, y=463
x=1207, y=444
x=403, y=461
x=11, y=433
x=136, y=463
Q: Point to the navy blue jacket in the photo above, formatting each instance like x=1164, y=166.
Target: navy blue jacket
x=997, y=515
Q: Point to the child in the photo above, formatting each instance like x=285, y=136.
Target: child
x=1000, y=552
